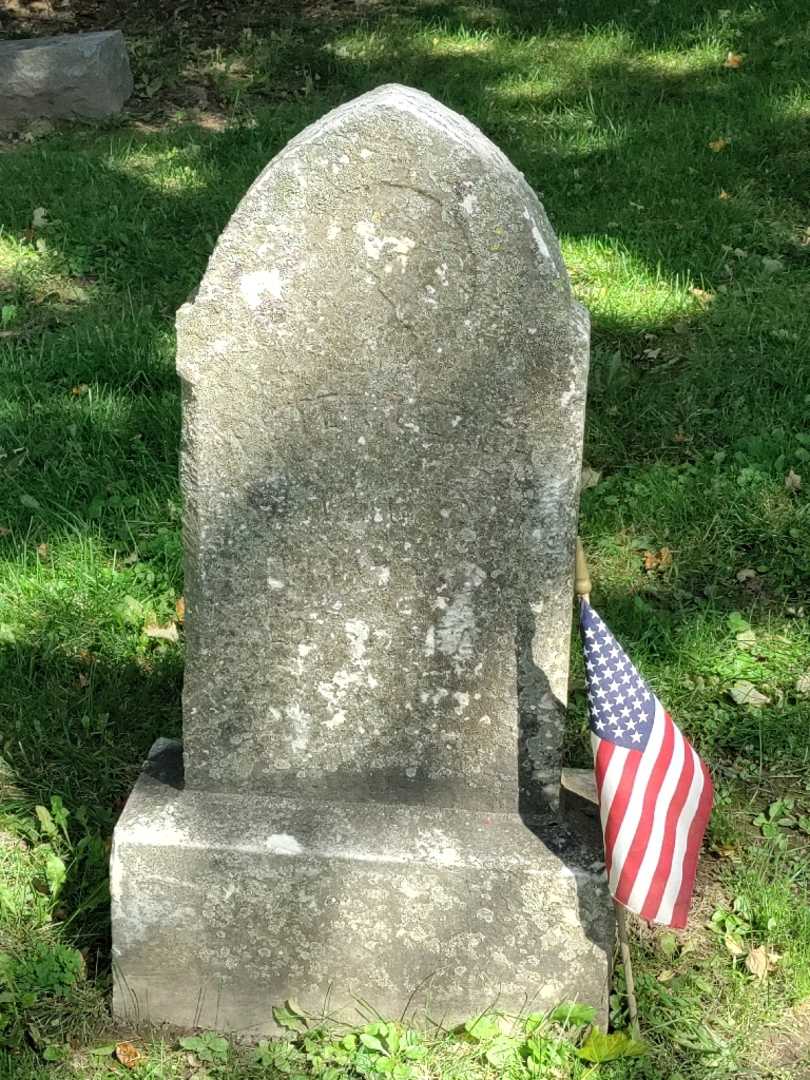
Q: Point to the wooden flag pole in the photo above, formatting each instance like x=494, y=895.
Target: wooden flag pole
x=582, y=587
x=627, y=963
x=582, y=577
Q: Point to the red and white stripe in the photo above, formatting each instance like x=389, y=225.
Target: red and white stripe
x=654, y=806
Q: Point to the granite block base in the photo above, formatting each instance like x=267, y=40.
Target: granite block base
x=225, y=905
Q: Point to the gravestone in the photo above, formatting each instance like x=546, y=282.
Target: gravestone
x=69, y=75
x=384, y=376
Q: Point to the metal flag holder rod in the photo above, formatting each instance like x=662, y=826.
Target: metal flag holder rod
x=582, y=587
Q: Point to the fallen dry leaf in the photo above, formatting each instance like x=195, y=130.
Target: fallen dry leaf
x=793, y=482
x=701, y=295
x=733, y=60
x=757, y=962
x=745, y=693
x=717, y=145
x=180, y=608
x=760, y=961
x=725, y=851
x=747, y=639
x=658, y=560
x=164, y=633
x=127, y=1054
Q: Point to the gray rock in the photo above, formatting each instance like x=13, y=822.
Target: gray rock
x=69, y=75
x=384, y=376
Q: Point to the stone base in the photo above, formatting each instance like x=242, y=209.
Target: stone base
x=225, y=905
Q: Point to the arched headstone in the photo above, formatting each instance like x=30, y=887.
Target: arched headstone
x=384, y=376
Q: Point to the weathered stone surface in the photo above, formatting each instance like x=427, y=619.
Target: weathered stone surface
x=384, y=374
x=224, y=905
x=384, y=378
x=69, y=75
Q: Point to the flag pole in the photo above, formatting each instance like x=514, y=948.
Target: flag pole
x=582, y=587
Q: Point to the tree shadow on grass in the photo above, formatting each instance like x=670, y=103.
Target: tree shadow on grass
x=673, y=24
x=142, y=222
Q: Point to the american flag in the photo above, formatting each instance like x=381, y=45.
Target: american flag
x=655, y=794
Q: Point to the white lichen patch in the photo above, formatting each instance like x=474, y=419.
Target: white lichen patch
x=159, y=829
x=329, y=693
x=358, y=633
x=343, y=680
x=374, y=245
x=283, y=844
x=434, y=698
x=300, y=725
x=260, y=283
x=537, y=236
x=462, y=701
x=433, y=845
x=456, y=631
x=570, y=394
x=469, y=203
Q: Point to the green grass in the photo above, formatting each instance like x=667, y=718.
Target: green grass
x=695, y=264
